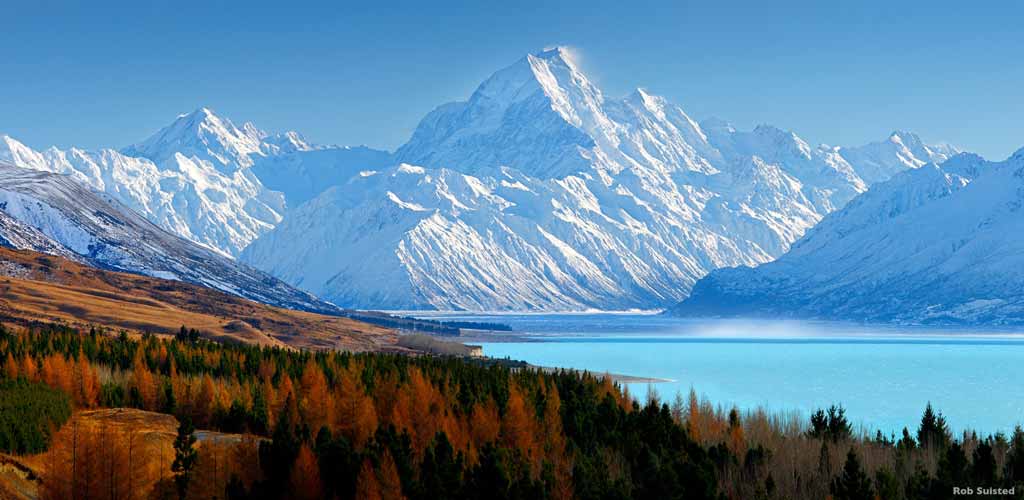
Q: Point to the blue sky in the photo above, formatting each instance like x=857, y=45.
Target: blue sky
x=366, y=72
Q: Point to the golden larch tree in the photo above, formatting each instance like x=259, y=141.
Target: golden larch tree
x=367, y=486
x=316, y=410
x=304, y=480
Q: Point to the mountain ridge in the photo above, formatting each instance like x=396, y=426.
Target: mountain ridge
x=932, y=245
x=196, y=177
x=538, y=192
x=537, y=178
x=54, y=213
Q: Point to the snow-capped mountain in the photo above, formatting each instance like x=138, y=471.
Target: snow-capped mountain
x=939, y=244
x=191, y=178
x=541, y=193
x=197, y=177
x=203, y=137
x=875, y=161
x=56, y=214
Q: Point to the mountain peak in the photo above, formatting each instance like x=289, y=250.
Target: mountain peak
x=908, y=139
x=553, y=71
x=200, y=113
x=200, y=117
x=641, y=95
x=286, y=142
x=204, y=135
x=558, y=54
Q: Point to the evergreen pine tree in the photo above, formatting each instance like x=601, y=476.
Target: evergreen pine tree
x=838, y=426
x=1015, y=458
x=185, y=456
x=819, y=424
x=933, y=432
x=853, y=483
x=952, y=468
x=983, y=465
x=168, y=403
x=906, y=444
x=886, y=484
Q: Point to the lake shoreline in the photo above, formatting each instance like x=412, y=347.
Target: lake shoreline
x=615, y=377
x=883, y=376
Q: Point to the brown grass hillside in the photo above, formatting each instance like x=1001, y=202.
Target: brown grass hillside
x=39, y=287
x=125, y=452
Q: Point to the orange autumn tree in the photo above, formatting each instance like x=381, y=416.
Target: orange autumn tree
x=519, y=425
x=304, y=480
x=87, y=383
x=388, y=480
x=355, y=415
x=693, y=418
x=10, y=367
x=495, y=417
x=143, y=380
x=29, y=370
x=554, y=442
x=316, y=401
x=205, y=401
x=367, y=486
x=58, y=373
x=485, y=424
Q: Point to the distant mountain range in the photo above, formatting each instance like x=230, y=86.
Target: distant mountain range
x=541, y=193
x=939, y=244
x=58, y=215
x=538, y=193
x=197, y=177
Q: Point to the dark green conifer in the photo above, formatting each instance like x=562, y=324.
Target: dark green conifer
x=852, y=483
x=185, y=456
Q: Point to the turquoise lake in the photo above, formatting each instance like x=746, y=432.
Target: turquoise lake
x=884, y=376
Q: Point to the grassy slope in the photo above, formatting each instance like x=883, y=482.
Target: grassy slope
x=35, y=286
x=154, y=435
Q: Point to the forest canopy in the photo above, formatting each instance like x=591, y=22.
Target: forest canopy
x=371, y=425
x=29, y=412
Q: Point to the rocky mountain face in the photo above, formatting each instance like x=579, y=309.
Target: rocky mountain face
x=60, y=215
x=936, y=244
x=197, y=177
x=538, y=192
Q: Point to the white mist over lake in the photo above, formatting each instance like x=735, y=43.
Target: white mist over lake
x=883, y=375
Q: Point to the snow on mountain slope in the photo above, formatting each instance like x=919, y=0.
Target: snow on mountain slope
x=875, y=161
x=202, y=190
x=16, y=234
x=56, y=214
x=543, y=116
x=540, y=193
x=203, y=137
x=409, y=237
x=196, y=177
x=939, y=244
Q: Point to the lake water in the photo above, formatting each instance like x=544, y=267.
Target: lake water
x=884, y=376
